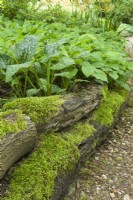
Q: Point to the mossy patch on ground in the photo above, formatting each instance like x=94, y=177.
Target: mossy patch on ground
x=11, y=121
x=109, y=106
x=39, y=109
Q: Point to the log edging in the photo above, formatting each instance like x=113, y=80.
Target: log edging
x=73, y=146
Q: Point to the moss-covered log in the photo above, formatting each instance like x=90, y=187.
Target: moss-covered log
x=50, y=168
x=57, y=112
x=17, y=137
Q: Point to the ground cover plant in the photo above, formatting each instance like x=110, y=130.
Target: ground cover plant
x=43, y=59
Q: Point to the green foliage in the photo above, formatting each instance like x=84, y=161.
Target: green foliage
x=11, y=7
x=21, y=10
x=107, y=14
x=43, y=59
x=33, y=10
x=125, y=30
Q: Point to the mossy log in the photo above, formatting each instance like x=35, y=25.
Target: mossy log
x=54, y=113
x=87, y=147
x=50, y=168
x=57, y=112
x=18, y=137
x=75, y=107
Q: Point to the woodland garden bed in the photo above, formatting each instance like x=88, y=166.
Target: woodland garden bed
x=63, y=86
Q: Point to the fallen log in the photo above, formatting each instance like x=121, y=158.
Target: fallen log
x=46, y=113
x=51, y=167
x=17, y=137
x=57, y=112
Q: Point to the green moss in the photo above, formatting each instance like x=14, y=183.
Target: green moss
x=40, y=109
x=11, y=121
x=57, y=155
x=80, y=132
x=109, y=107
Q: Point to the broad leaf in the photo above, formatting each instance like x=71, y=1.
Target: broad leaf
x=55, y=89
x=114, y=75
x=2, y=64
x=31, y=92
x=130, y=66
x=43, y=84
x=83, y=55
x=53, y=48
x=4, y=61
x=124, y=85
x=62, y=41
x=113, y=57
x=87, y=69
x=13, y=69
x=26, y=50
x=95, y=57
x=69, y=74
x=64, y=62
x=100, y=75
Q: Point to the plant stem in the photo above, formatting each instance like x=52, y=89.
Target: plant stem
x=48, y=79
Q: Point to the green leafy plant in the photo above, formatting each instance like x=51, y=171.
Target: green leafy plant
x=43, y=59
x=106, y=14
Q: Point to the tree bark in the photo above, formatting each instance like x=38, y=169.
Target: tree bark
x=75, y=107
x=15, y=145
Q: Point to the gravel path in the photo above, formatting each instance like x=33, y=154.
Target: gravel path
x=109, y=174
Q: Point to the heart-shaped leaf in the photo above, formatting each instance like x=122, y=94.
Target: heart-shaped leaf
x=64, y=62
x=87, y=69
x=100, y=75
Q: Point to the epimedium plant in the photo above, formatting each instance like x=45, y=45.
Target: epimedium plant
x=57, y=57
